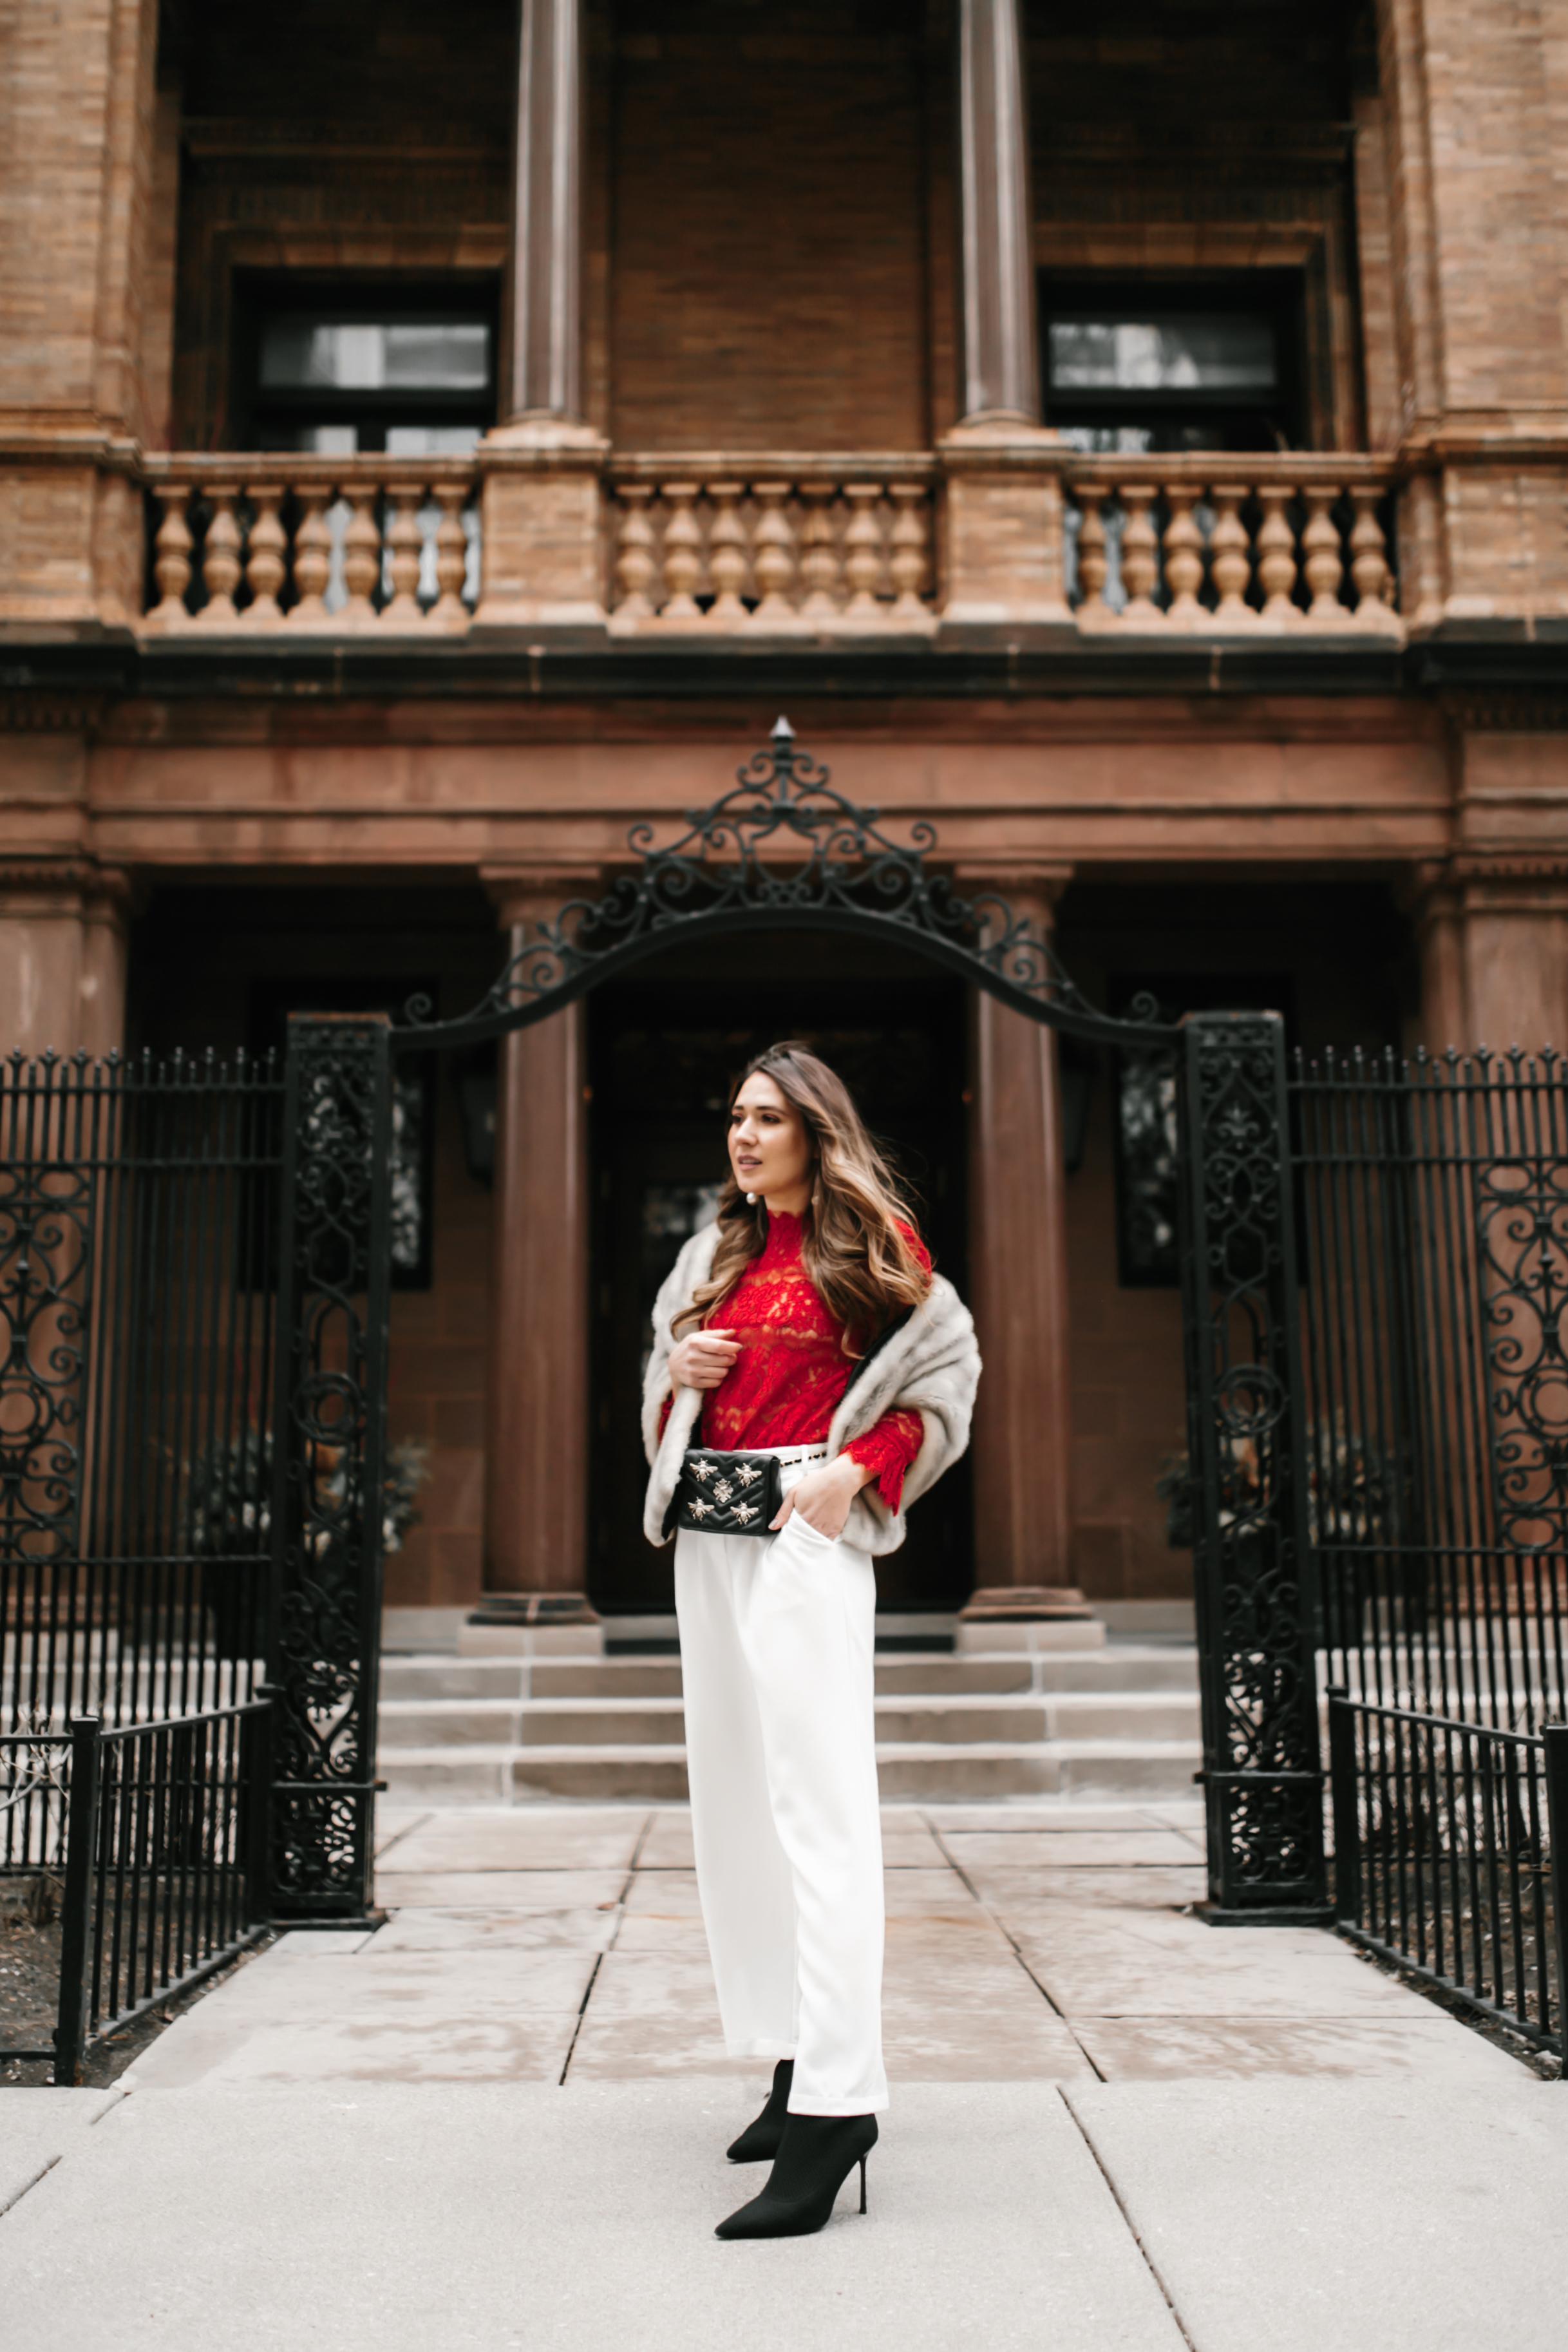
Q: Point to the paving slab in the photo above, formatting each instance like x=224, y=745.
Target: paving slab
x=36, y=2126
x=1148, y=1887
x=1155, y=1963
x=526, y=1890
x=1014, y=1816
x=1328, y=2216
x=489, y=2047
x=1165, y=2049
x=482, y=1928
x=531, y=1837
x=1135, y=1848
x=514, y=2216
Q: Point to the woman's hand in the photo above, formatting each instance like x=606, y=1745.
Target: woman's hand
x=823, y=1497
x=701, y=1359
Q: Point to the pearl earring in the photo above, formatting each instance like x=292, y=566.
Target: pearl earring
x=751, y=1200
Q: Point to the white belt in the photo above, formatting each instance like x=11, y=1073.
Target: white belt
x=789, y=1453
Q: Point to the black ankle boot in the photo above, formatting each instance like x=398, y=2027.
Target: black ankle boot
x=816, y=2156
x=760, y=2141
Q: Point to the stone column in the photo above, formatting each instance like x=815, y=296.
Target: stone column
x=1433, y=902
x=1515, y=950
x=536, y=1472
x=1018, y=1281
x=62, y=957
x=542, y=561
x=545, y=371
x=1001, y=352
x=1001, y=471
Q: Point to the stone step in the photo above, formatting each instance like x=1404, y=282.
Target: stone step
x=658, y=1722
x=920, y=1675
x=932, y=1770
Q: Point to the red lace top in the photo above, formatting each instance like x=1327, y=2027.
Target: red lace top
x=784, y=1385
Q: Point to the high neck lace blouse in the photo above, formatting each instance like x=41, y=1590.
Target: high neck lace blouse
x=784, y=1385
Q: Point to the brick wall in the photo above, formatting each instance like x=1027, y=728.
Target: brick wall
x=768, y=241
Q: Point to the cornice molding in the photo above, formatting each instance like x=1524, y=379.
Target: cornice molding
x=1508, y=714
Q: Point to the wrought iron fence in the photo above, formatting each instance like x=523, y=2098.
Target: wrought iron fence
x=138, y=1216
x=1433, y=1198
x=1450, y=1855
x=159, y=1833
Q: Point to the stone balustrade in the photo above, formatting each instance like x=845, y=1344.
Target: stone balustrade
x=771, y=544
x=1231, y=542
x=782, y=544
x=274, y=541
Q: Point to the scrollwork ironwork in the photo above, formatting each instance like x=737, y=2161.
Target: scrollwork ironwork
x=47, y=1218
x=1521, y=1230
x=1256, y=1622
x=834, y=868
x=329, y=1465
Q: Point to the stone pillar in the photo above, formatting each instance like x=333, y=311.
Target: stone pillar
x=536, y=1472
x=62, y=957
x=1001, y=471
x=540, y=499
x=1433, y=902
x=545, y=370
x=1001, y=352
x=1515, y=950
x=1018, y=1281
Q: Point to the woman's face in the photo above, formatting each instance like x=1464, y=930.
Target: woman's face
x=770, y=1150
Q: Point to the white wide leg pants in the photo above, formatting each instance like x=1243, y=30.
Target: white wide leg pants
x=778, y=1640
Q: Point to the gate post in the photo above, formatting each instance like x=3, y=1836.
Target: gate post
x=1256, y=1616
x=329, y=1462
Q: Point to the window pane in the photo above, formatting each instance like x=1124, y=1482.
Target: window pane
x=432, y=440
x=442, y=355
x=1213, y=354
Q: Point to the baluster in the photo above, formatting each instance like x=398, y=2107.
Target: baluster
x=634, y=564
x=1323, y=562
x=820, y=567
x=312, y=560
x=1140, y=558
x=1277, y=558
x=773, y=558
x=449, y=611
x=1184, y=561
x=266, y=554
x=1369, y=561
x=361, y=557
x=221, y=559
x=405, y=545
x=172, y=569
x=862, y=551
x=683, y=556
x=1094, y=565
x=907, y=559
x=726, y=556
x=1230, y=557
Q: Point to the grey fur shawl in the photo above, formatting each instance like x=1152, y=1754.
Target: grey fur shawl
x=929, y=1365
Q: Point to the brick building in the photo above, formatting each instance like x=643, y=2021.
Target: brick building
x=433, y=442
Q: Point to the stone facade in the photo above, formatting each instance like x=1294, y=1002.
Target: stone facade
x=1317, y=735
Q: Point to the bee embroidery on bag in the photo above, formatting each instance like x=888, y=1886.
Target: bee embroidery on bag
x=724, y=1490
x=699, y=1509
x=746, y=1474
x=743, y=1513
x=702, y=1469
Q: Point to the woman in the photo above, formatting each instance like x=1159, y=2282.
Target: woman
x=833, y=1373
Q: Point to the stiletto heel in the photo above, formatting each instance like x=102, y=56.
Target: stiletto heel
x=760, y=2141
x=816, y=2156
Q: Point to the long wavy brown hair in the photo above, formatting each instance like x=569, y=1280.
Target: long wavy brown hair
x=864, y=1269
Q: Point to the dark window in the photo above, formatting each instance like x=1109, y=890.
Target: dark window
x=337, y=371
x=1146, y=364
x=1144, y=1111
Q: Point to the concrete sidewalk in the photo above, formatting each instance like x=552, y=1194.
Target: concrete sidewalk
x=500, y=2120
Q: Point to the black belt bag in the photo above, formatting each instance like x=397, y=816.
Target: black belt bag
x=729, y=1494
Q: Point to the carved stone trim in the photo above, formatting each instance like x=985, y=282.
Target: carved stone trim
x=26, y=713
x=1506, y=714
